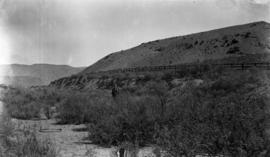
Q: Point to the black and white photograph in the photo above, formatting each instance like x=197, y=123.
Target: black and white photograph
x=134, y=78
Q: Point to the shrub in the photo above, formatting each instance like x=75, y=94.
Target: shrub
x=159, y=49
x=71, y=109
x=23, y=143
x=226, y=117
x=223, y=115
x=24, y=103
x=234, y=41
x=20, y=104
x=168, y=76
x=233, y=50
x=247, y=35
x=83, y=107
x=159, y=90
x=131, y=120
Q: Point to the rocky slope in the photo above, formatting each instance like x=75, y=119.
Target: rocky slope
x=240, y=40
x=33, y=75
x=241, y=43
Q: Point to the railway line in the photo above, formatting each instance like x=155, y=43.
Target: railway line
x=180, y=67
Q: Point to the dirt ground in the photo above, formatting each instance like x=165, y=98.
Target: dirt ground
x=68, y=139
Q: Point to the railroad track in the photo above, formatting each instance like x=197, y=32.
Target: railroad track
x=238, y=66
x=75, y=79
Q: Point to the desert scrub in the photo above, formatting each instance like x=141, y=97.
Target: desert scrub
x=80, y=107
x=21, y=104
x=23, y=142
x=225, y=116
x=25, y=103
x=130, y=119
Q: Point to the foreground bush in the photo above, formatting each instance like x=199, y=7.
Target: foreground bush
x=83, y=107
x=21, y=104
x=221, y=116
x=225, y=114
x=25, y=103
x=23, y=143
x=130, y=119
x=227, y=117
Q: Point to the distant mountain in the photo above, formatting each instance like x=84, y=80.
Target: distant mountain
x=234, y=41
x=33, y=75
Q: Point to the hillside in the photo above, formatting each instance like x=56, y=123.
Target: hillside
x=248, y=43
x=36, y=74
x=234, y=41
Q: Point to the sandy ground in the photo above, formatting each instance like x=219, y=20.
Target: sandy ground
x=68, y=141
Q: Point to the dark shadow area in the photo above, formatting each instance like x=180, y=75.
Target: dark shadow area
x=82, y=129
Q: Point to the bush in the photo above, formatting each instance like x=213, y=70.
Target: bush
x=131, y=119
x=83, y=107
x=222, y=116
x=234, y=50
x=20, y=104
x=72, y=108
x=24, y=103
x=23, y=143
x=225, y=117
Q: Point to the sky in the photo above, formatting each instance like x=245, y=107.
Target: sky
x=80, y=32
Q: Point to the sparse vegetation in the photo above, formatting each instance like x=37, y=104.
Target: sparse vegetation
x=247, y=35
x=201, y=42
x=234, y=41
x=23, y=142
x=159, y=49
x=191, y=106
x=234, y=50
x=223, y=114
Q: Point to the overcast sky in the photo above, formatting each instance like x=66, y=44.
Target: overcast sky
x=79, y=32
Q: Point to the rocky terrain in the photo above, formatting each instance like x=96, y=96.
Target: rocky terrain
x=241, y=43
x=34, y=75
